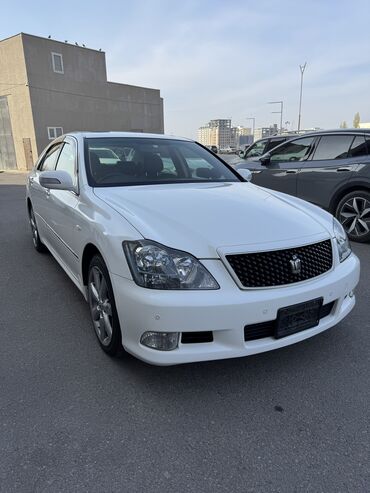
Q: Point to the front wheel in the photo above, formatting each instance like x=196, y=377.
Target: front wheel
x=353, y=212
x=39, y=246
x=103, y=308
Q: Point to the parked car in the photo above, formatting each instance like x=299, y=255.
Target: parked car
x=228, y=150
x=106, y=156
x=330, y=169
x=213, y=149
x=261, y=146
x=179, y=257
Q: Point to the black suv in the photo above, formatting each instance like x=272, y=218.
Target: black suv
x=329, y=168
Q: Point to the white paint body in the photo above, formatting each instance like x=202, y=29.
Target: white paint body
x=208, y=220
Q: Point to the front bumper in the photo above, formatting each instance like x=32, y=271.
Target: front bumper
x=225, y=312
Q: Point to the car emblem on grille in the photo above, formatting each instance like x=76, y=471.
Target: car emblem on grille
x=296, y=265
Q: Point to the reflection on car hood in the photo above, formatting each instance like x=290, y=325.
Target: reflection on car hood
x=200, y=218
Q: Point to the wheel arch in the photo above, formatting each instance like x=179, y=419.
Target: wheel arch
x=350, y=187
x=89, y=252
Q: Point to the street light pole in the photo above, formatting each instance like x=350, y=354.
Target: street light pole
x=254, y=124
x=302, y=69
x=280, y=112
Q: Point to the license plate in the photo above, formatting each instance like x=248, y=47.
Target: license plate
x=298, y=317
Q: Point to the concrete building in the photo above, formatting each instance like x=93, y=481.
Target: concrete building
x=222, y=134
x=48, y=88
x=216, y=132
x=243, y=137
x=261, y=133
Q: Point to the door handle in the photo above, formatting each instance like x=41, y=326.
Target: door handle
x=343, y=169
x=291, y=171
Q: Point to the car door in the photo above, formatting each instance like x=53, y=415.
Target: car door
x=279, y=169
x=39, y=195
x=62, y=214
x=330, y=167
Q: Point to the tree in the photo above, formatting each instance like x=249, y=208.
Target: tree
x=356, y=120
x=343, y=124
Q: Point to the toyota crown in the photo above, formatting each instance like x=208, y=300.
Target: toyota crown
x=181, y=258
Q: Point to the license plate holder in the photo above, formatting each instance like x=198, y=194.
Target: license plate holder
x=295, y=318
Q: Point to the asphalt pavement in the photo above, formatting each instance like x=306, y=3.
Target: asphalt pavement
x=74, y=420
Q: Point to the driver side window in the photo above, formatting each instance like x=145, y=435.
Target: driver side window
x=48, y=163
x=257, y=149
x=67, y=161
x=295, y=150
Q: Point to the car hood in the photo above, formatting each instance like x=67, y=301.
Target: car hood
x=204, y=218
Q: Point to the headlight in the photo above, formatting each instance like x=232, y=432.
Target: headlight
x=344, y=248
x=155, y=266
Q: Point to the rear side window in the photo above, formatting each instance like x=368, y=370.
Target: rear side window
x=333, y=147
x=358, y=147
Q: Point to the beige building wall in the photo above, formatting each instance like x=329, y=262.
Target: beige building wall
x=14, y=86
x=80, y=98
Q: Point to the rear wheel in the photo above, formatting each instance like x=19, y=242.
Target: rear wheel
x=103, y=308
x=353, y=212
x=39, y=246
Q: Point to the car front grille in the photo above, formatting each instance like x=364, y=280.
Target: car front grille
x=281, y=267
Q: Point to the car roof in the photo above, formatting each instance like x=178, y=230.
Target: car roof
x=349, y=131
x=94, y=135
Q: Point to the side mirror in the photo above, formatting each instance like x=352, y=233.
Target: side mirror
x=56, y=180
x=265, y=159
x=245, y=173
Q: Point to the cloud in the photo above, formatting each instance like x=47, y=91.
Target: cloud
x=214, y=59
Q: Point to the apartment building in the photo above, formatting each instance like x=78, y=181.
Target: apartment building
x=49, y=87
x=262, y=132
x=221, y=133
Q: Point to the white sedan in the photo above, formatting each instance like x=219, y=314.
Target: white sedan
x=180, y=258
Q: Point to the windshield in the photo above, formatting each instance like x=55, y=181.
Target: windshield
x=143, y=161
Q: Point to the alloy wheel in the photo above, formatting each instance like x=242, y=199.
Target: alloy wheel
x=100, y=306
x=35, y=233
x=355, y=216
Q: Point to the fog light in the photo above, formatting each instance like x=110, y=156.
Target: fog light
x=162, y=341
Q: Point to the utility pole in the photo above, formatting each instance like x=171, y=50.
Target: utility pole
x=302, y=69
x=279, y=112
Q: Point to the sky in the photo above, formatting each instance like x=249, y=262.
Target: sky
x=222, y=59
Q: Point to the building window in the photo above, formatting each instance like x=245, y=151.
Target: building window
x=57, y=63
x=54, y=132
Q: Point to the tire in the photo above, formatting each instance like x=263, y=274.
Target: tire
x=353, y=212
x=37, y=243
x=103, y=307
